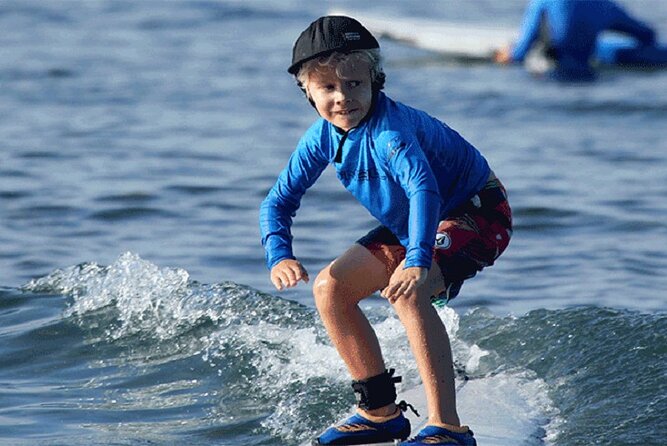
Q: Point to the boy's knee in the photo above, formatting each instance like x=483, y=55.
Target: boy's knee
x=329, y=293
x=322, y=289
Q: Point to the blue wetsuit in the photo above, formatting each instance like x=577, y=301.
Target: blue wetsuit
x=569, y=28
x=406, y=167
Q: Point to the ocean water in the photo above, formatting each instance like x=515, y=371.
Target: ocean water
x=138, y=139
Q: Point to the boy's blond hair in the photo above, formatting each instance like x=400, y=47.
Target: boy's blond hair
x=341, y=63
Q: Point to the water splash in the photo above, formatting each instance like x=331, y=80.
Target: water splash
x=263, y=359
x=160, y=302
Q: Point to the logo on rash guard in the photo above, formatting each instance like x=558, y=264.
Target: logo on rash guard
x=360, y=175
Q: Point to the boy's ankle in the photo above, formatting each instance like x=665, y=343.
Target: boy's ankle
x=458, y=429
x=380, y=414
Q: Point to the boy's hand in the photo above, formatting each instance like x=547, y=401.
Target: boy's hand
x=287, y=273
x=404, y=282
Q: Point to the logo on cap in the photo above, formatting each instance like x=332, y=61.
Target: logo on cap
x=352, y=36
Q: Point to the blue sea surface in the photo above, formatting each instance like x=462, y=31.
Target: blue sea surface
x=138, y=140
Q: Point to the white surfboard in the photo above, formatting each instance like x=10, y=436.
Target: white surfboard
x=502, y=410
x=457, y=40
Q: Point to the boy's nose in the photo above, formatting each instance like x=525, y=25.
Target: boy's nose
x=341, y=94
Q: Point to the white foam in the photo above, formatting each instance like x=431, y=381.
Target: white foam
x=281, y=359
x=284, y=360
x=146, y=298
x=506, y=408
x=503, y=409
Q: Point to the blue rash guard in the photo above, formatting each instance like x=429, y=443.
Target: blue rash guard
x=572, y=27
x=406, y=167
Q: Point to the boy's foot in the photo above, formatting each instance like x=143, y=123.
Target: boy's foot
x=360, y=430
x=436, y=435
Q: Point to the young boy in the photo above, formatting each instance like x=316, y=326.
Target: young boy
x=443, y=213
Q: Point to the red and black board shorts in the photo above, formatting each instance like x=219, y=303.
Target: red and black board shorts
x=469, y=239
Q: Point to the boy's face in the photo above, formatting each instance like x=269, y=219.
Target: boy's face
x=343, y=101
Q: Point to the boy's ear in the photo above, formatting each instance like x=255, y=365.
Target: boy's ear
x=305, y=92
x=378, y=83
x=309, y=98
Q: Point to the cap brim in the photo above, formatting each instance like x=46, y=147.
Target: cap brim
x=295, y=67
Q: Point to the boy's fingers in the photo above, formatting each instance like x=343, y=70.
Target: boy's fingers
x=394, y=291
x=290, y=277
x=304, y=274
x=301, y=273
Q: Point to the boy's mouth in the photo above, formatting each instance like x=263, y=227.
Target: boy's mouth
x=346, y=112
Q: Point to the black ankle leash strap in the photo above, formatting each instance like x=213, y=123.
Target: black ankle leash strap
x=404, y=406
x=379, y=391
x=376, y=391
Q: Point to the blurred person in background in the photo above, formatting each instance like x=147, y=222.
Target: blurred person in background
x=564, y=34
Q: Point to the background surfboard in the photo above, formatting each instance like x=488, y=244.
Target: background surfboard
x=473, y=42
x=456, y=40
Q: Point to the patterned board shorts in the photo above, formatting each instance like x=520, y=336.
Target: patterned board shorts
x=471, y=238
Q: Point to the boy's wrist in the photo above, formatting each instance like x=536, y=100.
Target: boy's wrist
x=274, y=260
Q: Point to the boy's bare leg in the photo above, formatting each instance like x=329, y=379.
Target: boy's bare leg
x=431, y=348
x=357, y=274
x=338, y=288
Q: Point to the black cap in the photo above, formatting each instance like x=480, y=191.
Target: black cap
x=328, y=34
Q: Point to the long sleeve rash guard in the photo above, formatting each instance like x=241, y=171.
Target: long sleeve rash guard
x=573, y=27
x=406, y=167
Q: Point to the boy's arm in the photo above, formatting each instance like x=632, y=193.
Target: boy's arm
x=413, y=172
x=283, y=200
x=413, y=271
x=275, y=222
x=423, y=222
